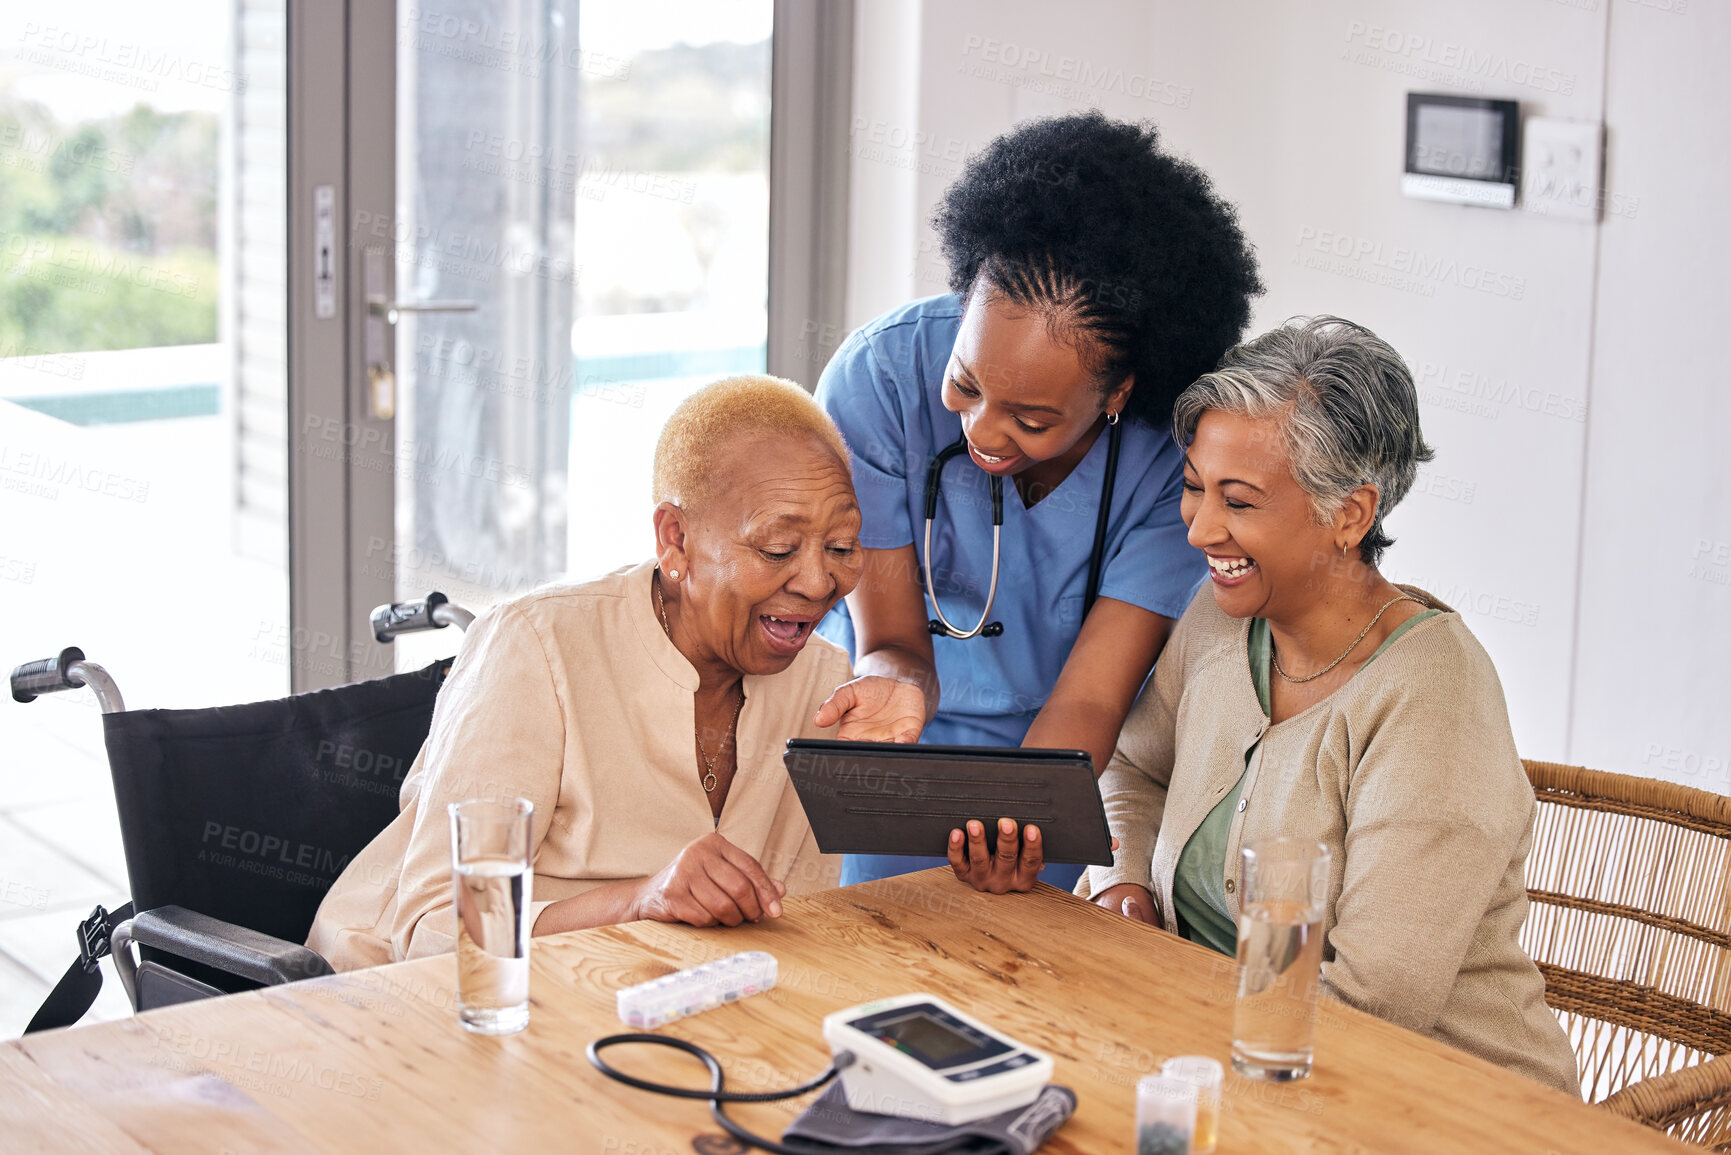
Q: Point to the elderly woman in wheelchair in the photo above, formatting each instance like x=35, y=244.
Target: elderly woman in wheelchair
x=644, y=712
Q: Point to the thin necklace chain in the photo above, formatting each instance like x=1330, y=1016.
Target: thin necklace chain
x=710, y=781
x=1348, y=650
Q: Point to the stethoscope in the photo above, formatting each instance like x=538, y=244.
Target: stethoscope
x=934, y=480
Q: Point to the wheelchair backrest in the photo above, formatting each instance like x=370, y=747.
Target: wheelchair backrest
x=250, y=812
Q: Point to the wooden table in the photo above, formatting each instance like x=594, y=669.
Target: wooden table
x=375, y=1062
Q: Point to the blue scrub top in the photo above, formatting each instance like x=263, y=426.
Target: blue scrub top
x=883, y=388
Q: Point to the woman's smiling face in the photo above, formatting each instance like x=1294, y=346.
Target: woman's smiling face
x=1267, y=556
x=770, y=552
x=1023, y=395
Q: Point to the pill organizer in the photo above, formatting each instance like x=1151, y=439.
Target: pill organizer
x=660, y=1001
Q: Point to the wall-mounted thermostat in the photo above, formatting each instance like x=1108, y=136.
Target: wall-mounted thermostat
x=1461, y=149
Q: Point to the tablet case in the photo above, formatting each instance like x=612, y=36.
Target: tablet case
x=896, y=798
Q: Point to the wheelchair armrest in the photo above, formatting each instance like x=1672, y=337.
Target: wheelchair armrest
x=232, y=949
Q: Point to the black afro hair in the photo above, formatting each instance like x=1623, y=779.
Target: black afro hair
x=1126, y=246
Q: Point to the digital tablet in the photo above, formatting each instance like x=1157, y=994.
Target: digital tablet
x=896, y=798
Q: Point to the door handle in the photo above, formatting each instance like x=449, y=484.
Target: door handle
x=379, y=306
x=381, y=386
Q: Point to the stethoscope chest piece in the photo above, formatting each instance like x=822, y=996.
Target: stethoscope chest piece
x=989, y=630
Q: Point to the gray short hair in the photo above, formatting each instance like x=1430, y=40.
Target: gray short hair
x=1346, y=405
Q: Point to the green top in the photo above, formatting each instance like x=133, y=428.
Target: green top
x=1199, y=885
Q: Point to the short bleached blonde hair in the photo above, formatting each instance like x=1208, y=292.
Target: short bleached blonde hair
x=723, y=414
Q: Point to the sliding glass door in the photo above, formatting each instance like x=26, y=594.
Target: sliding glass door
x=580, y=239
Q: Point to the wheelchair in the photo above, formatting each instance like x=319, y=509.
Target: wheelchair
x=237, y=820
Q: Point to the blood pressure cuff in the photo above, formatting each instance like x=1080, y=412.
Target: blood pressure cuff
x=830, y=1127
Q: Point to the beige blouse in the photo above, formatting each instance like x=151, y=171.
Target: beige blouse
x=1408, y=773
x=573, y=697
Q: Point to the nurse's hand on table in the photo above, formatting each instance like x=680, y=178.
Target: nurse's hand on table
x=1129, y=900
x=875, y=709
x=1015, y=865
x=710, y=881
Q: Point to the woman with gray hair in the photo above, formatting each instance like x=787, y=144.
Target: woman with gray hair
x=1306, y=695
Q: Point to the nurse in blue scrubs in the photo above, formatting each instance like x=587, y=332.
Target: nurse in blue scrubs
x=1093, y=277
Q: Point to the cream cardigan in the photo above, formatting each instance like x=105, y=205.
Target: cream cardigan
x=1408, y=773
x=573, y=697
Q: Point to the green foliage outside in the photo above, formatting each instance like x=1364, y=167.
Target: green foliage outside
x=107, y=230
x=682, y=109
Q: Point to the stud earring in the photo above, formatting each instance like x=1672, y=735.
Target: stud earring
x=674, y=574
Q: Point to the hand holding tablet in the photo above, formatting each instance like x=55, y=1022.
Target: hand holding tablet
x=1014, y=865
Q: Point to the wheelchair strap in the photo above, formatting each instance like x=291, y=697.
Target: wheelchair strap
x=77, y=989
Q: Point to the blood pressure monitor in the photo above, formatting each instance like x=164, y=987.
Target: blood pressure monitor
x=918, y=1057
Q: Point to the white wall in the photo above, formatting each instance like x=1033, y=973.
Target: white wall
x=1653, y=680
x=1562, y=366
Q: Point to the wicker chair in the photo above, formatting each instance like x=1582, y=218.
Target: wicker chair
x=1630, y=880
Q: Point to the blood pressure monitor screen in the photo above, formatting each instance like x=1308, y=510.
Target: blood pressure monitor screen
x=930, y=1034
x=926, y=1038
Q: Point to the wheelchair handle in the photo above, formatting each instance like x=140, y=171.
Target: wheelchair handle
x=433, y=612
x=67, y=670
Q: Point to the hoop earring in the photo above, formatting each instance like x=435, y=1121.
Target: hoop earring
x=1111, y=419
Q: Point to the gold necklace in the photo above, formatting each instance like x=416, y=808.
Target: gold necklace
x=1349, y=649
x=710, y=781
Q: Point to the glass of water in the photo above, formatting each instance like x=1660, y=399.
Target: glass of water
x=490, y=879
x=1282, y=894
